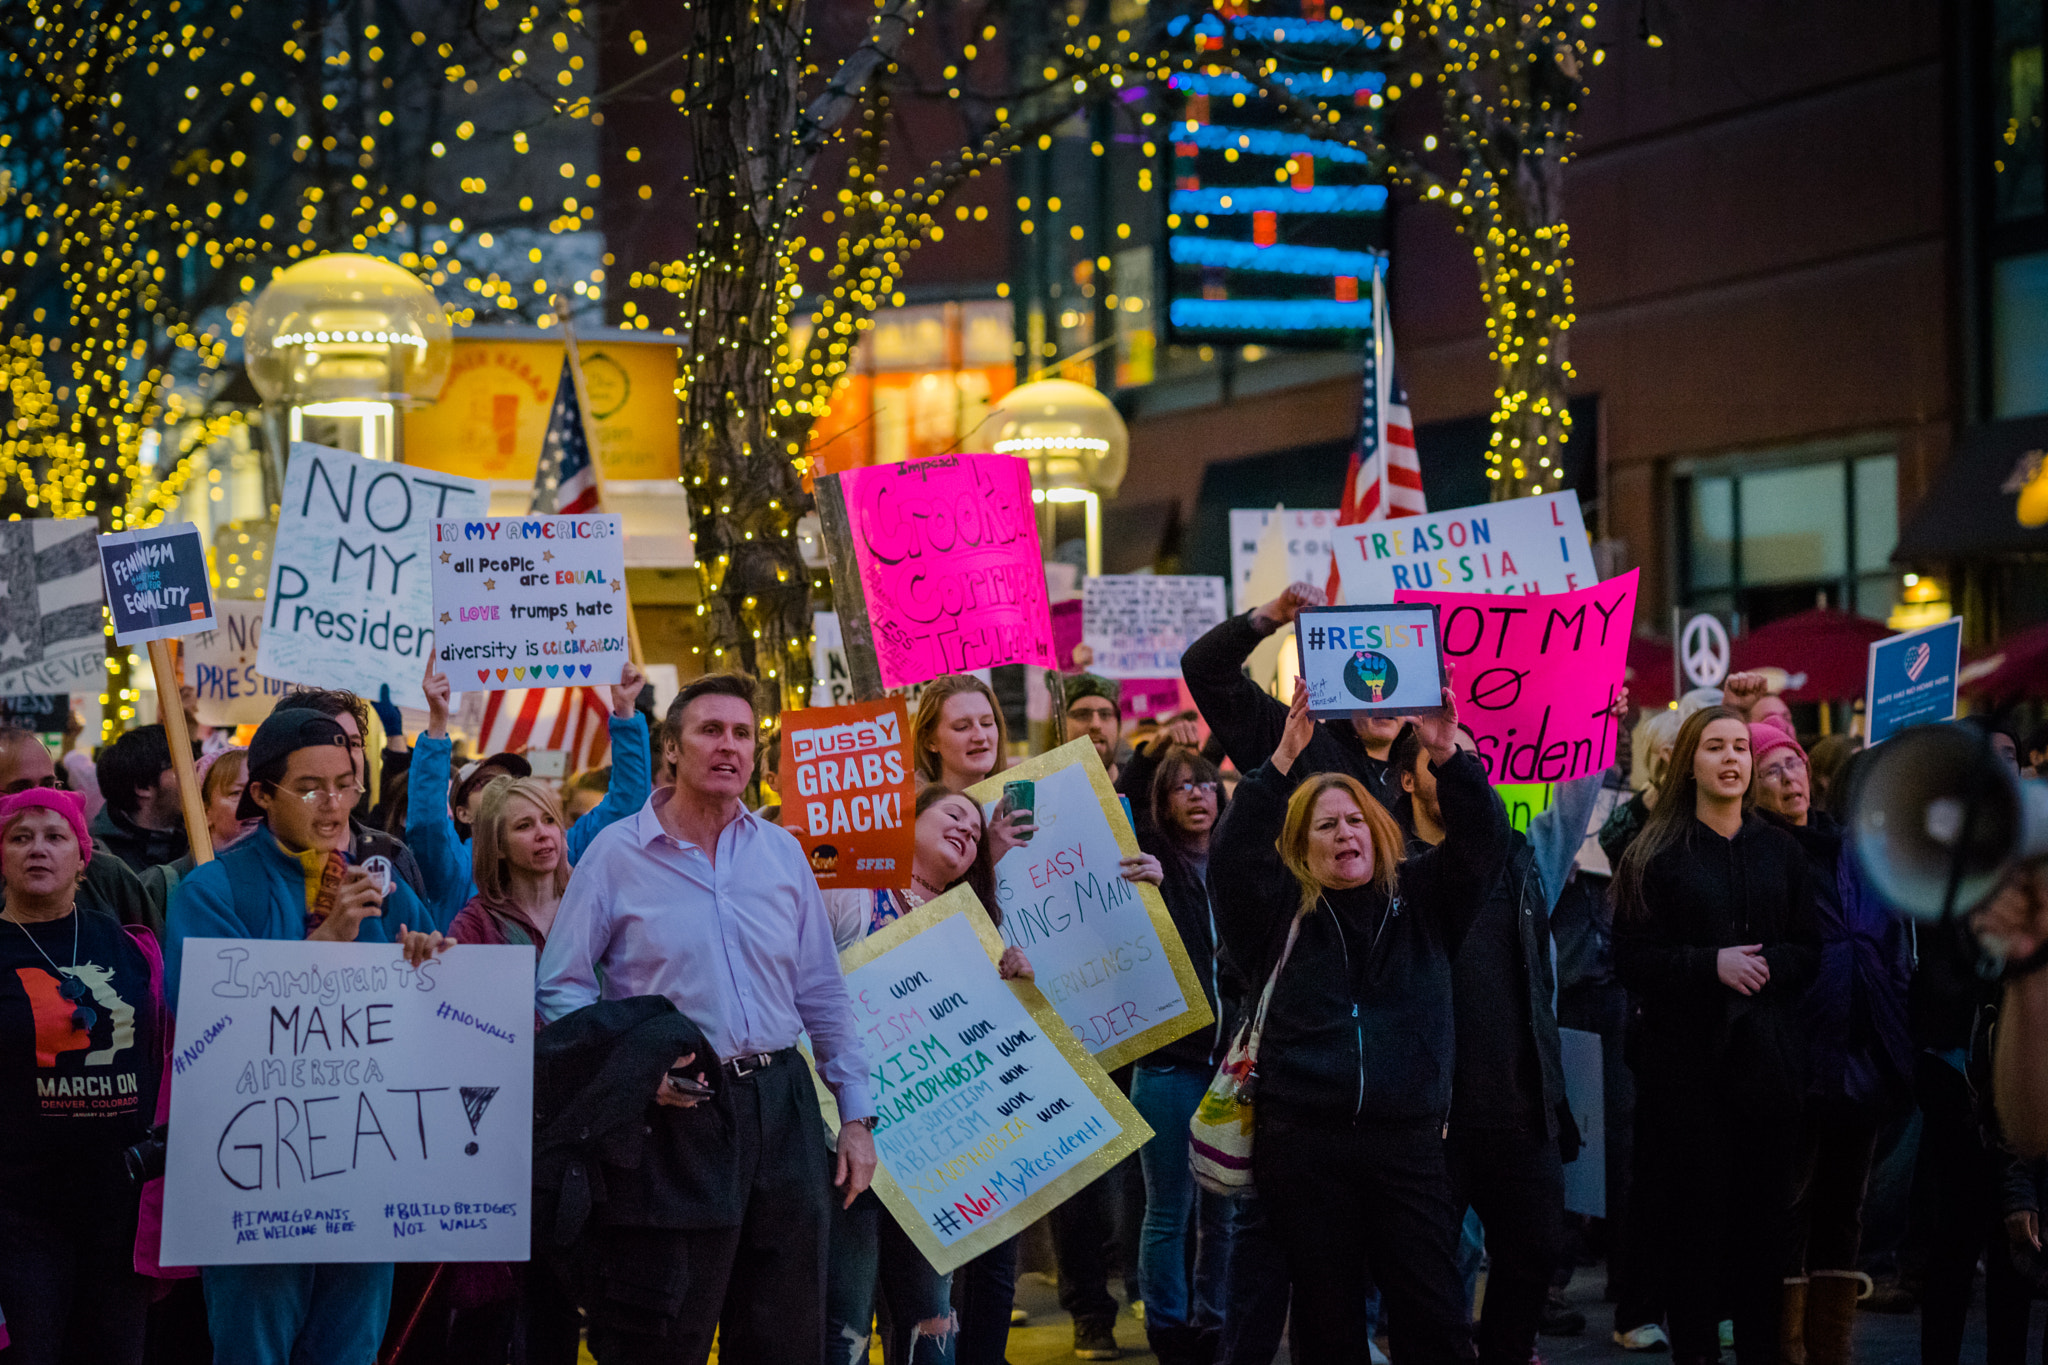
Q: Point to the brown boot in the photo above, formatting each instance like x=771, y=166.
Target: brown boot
x=1792, y=1322
x=1831, y=1315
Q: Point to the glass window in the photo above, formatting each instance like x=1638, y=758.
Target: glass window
x=1876, y=512
x=1794, y=524
x=2016, y=132
x=1713, y=533
x=2019, y=335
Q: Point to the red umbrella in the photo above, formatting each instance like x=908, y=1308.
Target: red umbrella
x=1649, y=672
x=2018, y=667
x=1831, y=648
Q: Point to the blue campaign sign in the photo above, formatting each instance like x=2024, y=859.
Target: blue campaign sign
x=1913, y=679
x=157, y=584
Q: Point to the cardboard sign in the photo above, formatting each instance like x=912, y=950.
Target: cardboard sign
x=1299, y=549
x=1370, y=661
x=849, y=791
x=1139, y=625
x=1525, y=546
x=1535, y=679
x=988, y=1115
x=1105, y=950
x=330, y=1103
x=157, y=584
x=45, y=713
x=350, y=603
x=1585, y=1090
x=530, y=601
x=947, y=573
x=220, y=666
x=831, y=683
x=1912, y=678
x=51, y=615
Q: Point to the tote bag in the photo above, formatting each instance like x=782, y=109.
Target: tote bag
x=1220, y=1133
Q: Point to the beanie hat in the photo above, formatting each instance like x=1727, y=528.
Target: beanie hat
x=1768, y=734
x=1072, y=687
x=66, y=804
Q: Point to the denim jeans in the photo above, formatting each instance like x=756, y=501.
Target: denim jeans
x=1256, y=1287
x=1180, y=1289
x=331, y=1314
x=867, y=1251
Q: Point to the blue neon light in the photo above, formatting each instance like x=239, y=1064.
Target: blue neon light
x=1277, y=259
x=1281, y=199
x=1267, y=142
x=1271, y=315
x=1299, y=82
x=1317, y=32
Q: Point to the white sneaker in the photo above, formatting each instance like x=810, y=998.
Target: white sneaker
x=1727, y=1334
x=1648, y=1337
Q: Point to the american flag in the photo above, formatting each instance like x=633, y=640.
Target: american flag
x=576, y=719
x=564, y=481
x=1385, y=478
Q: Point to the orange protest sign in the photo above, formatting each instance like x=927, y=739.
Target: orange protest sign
x=848, y=790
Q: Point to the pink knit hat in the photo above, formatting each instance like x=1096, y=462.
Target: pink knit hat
x=1768, y=734
x=64, y=803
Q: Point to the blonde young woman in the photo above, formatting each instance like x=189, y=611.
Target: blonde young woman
x=519, y=855
x=1355, y=1068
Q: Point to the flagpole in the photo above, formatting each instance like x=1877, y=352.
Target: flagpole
x=1379, y=384
x=583, y=413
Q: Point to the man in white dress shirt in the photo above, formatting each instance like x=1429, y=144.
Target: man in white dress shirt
x=695, y=898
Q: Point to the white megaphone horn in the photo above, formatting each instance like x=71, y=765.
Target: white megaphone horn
x=1939, y=820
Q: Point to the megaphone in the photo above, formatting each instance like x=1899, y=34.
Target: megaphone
x=1939, y=820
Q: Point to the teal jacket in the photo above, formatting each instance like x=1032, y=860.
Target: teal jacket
x=444, y=855
x=254, y=889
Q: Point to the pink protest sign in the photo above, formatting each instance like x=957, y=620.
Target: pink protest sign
x=1534, y=676
x=947, y=551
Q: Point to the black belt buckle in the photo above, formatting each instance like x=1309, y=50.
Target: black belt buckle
x=747, y=1066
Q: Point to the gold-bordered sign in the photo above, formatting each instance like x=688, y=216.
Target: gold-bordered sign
x=987, y=1153
x=1081, y=754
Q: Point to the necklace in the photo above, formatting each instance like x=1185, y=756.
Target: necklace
x=929, y=890
x=72, y=988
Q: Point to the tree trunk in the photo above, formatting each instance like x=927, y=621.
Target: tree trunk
x=1525, y=281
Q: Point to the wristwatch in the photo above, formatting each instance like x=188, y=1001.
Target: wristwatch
x=868, y=1123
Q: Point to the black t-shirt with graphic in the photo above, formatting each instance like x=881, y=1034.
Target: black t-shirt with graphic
x=80, y=1058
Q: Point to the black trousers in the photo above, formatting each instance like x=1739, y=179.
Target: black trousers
x=1093, y=1238
x=1515, y=1179
x=656, y=1296
x=983, y=1292
x=1838, y=1139
x=69, y=1288
x=1725, y=1176
x=1961, y=1188
x=1352, y=1202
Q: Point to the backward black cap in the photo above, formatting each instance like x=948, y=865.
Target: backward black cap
x=282, y=734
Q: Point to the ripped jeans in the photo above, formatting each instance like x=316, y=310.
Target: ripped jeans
x=868, y=1250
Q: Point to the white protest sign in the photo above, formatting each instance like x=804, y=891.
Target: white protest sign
x=1585, y=1089
x=51, y=607
x=1104, y=949
x=1302, y=542
x=350, y=603
x=1525, y=545
x=831, y=680
x=530, y=601
x=1371, y=661
x=329, y=1103
x=220, y=666
x=987, y=1115
x=1138, y=625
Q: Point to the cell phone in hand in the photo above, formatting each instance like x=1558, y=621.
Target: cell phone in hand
x=1020, y=796
x=683, y=1083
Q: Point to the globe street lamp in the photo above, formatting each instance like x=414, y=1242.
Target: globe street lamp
x=1078, y=448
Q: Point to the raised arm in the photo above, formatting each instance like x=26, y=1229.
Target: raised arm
x=1240, y=713
x=429, y=827
x=632, y=783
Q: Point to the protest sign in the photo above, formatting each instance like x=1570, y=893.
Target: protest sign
x=350, y=603
x=157, y=585
x=330, y=1103
x=1105, y=950
x=45, y=713
x=1585, y=1090
x=1370, y=661
x=988, y=1115
x=220, y=667
x=1912, y=678
x=530, y=601
x=51, y=618
x=1300, y=550
x=1523, y=546
x=848, y=790
x=1535, y=679
x=939, y=568
x=831, y=683
x=1138, y=625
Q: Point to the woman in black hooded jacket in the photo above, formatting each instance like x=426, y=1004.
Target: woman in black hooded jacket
x=1354, y=1074
x=1715, y=935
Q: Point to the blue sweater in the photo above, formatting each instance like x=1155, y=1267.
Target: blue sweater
x=204, y=906
x=444, y=854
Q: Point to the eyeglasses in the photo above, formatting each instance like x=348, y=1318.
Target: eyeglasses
x=1779, y=772
x=345, y=795
x=1196, y=789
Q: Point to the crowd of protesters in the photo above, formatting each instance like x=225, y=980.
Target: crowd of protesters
x=1768, y=1027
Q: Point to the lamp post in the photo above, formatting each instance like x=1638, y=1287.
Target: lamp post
x=1078, y=448
x=337, y=345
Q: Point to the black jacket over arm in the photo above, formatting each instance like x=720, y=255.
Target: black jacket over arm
x=1705, y=893
x=1250, y=722
x=1361, y=1026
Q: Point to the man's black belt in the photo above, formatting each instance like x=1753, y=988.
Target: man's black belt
x=748, y=1064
